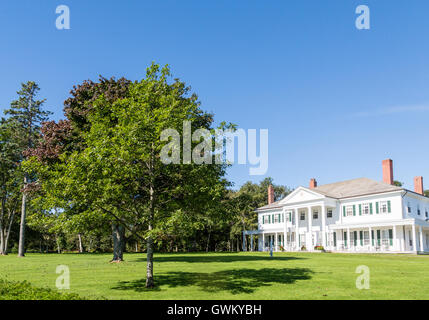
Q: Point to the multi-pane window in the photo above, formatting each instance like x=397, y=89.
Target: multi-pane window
x=366, y=238
x=365, y=208
x=383, y=207
x=349, y=211
x=265, y=219
x=276, y=218
x=409, y=207
x=302, y=216
x=426, y=213
x=315, y=214
x=418, y=210
x=329, y=213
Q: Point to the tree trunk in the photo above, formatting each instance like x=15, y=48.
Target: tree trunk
x=2, y=240
x=118, y=235
x=80, y=243
x=21, y=245
x=149, y=268
x=6, y=242
x=208, y=240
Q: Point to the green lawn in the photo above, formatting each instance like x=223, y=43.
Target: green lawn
x=228, y=275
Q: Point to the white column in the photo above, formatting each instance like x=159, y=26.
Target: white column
x=348, y=239
x=263, y=241
x=413, y=228
x=296, y=230
x=395, y=244
x=276, y=242
x=323, y=226
x=370, y=239
x=421, y=238
x=285, y=230
x=310, y=227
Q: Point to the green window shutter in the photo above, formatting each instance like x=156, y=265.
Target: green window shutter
x=344, y=211
x=391, y=237
x=269, y=219
x=355, y=238
x=377, y=210
x=372, y=236
x=290, y=216
x=378, y=237
x=345, y=238
x=370, y=207
x=361, y=237
x=360, y=209
x=272, y=218
x=388, y=206
x=354, y=210
x=263, y=219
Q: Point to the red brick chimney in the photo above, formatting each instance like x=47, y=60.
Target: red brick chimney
x=313, y=183
x=388, y=171
x=270, y=194
x=418, y=185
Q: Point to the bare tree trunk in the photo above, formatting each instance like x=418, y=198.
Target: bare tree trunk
x=118, y=235
x=6, y=242
x=2, y=240
x=21, y=245
x=80, y=243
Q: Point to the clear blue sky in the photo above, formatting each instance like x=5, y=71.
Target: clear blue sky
x=336, y=100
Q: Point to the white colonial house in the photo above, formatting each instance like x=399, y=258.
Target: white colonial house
x=359, y=215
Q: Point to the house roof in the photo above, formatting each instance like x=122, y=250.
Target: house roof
x=354, y=188
x=271, y=206
x=347, y=189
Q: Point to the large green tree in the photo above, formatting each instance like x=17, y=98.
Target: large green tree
x=119, y=170
x=27, y=113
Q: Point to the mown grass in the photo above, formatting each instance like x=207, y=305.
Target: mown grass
x=228, y=275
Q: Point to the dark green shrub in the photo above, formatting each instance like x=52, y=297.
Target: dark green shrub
x=11, y=290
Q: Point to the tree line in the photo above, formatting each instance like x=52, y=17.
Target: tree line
x=95, y=182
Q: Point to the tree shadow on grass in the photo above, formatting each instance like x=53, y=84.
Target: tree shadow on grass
x=217, y=258
x=234, y=281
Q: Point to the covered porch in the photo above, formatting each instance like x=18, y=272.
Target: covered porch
x=404, y=236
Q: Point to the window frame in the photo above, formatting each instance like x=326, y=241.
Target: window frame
x=349, y=211
x=383, y=207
